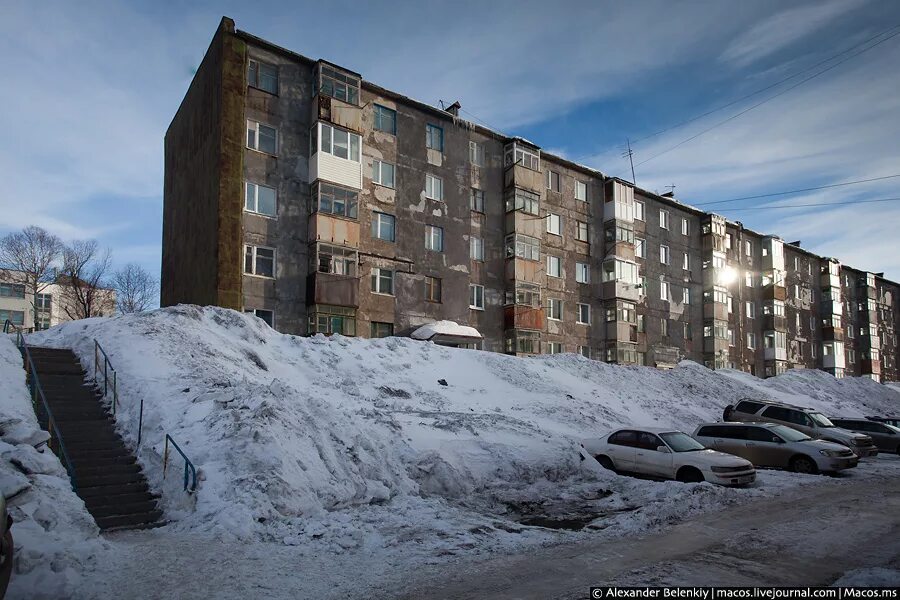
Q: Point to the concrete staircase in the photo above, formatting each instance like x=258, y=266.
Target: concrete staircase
x=107, y=476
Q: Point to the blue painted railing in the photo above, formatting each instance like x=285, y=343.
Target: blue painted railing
x=190, y=473
x=111, y=382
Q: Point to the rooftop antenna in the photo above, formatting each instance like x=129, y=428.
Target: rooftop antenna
x=629, y=154
x=671, y=191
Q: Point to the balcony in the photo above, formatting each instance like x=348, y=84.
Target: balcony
x=715, y=310
x=324, y=227
x=774, y=292
x=518, y=221
x=523, y=317
x=827, y=280
x=832, y=334
x=337, y=290
x=775, y=353
x=342, y=114
x=870, y=367
x=832, y=307
x=521, y=177
x=520, y=269
x=774, y=323
x=620, y=289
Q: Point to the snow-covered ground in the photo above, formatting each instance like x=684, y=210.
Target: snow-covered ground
x=55, y=537
x=405, y=449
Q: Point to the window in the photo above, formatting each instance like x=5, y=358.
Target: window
x=728, y=241
x=523, y=246
x=262, y=137
x=335, y=200
x=751, y=310
x=259, y=261
x=730, y=336
x=554, y=266
x=434, y=187
x=687, y=332
x=851, y=356
x=16, y=317
x=336, y=260
x=12, y=290
x=748, y=279
x=519, y=199
x=664, y=326
x=332, y=319
x=664, y=292
x=259, y=199
x=432, y=289
x=555, y=311
x=748, y=248
x=640, y=324
x=382, y=281
x=339, y=142
x=686, y=295
x=434, y=238
x=338, y=85
x=582, y=272
x=524, y=342
x=751, y=341
x=584, y=314
x=730, y=302
x=516, y=154
x=434, y=137
x=581, y=231
x=620, y=270
x=686, y=262
x=525, y=294
x=585, y=351
x=266, y=315
x=42, y=301
x=554, y=348
x=664, y=255
x=554, y=224
x=476, y=248
x=640, y=248
x=386, y=121
x=850, y=333
x=476, y=296
x=685, y=227
x=383, y=173
x=263, y=76
x=664, y=219
x=553, y=181
x=580, y=191
x=380, y=330
x=639, y=211
x=476, y=200
x=383, y=226
x=476, y=153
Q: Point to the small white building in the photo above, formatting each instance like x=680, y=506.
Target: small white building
x=18, y=304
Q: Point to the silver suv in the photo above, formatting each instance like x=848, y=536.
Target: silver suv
x=768, y=445
x=808, y=420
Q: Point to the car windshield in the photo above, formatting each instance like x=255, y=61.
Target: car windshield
x=788, y=434
x=820, y=419
x=681, y=442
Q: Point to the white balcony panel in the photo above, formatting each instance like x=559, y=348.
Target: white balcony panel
x=341, y=171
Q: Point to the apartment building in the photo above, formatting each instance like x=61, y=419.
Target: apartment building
x=26, y=310
x=323, y=203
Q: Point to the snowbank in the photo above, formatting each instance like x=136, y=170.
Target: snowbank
x=450, y=328
x=339, y=441
x=54, y=535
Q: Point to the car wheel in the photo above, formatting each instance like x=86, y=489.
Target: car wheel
x=804, y=464
x=606, y=462
x=689, y=475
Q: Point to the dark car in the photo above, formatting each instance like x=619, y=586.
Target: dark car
x=892, y=421
x=6, y=547
x=886, y=437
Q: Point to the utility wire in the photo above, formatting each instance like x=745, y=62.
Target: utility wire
x=761, y=90
x=810, y=189
x=770, y=207
x=769, y=99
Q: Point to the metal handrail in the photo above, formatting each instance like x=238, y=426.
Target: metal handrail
x=188, y=466
x=36, y=389
x=107, y=369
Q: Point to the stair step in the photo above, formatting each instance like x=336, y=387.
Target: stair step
x=91, y=454
x=90, y=481
x=75, y=447
x=116, y=509
x=119, y=489
x=90, y=462
x=87, y=470
x=129, y=520
x=153, y=525
x=97, y=502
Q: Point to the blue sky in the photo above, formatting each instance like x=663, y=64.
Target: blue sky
x=91, y=87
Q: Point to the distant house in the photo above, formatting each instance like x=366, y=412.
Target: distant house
x=54, y=303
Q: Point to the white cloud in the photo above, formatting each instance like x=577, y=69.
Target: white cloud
x=784, y=28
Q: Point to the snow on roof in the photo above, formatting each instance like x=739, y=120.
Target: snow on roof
x=426, y=332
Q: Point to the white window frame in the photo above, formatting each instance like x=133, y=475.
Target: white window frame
x=685, y=295
x=685, y=226
x=351, y=156
x=583, y=311
x=664, y=254
x=476, y=296
x=582, y=272
x=376, y=225
x=255, y=210
x=582, y=226
x=556, y=303
x=640, y=247
x=254, y=127
x=663, y=219
x=686, y=262
x=434, y=233
x=664, y=292
x=476, y=153
x=748, y=247
x=253, y=273
x=476, y=248
x=639, y=211
x=434, y=187
x=580, y=191
x=255, y=311
x=377, y=273
x=378, y=171
x=551, y=260
x=554, y=224
x=476, y=200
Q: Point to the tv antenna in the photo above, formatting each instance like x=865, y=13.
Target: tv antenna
x=629, y=154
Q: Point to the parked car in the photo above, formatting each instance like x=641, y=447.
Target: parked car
x=6, y=547
x=666, y=453
x=769, y=445
x=808, y=420
x=892, y=421
x=886, y=437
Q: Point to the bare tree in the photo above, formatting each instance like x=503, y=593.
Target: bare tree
x=82, y=280
x=135, y=288
x=30, y=255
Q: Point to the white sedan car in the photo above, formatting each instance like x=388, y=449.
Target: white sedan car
x=666, y=453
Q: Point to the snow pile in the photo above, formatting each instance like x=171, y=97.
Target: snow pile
x=54, y=535
x=451, y=328
x=354, y=443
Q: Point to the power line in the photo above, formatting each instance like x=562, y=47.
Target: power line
x=810, y=189
x=770, y=207
x=769, y=99
x=761, y=90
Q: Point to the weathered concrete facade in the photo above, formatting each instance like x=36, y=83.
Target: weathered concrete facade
x=324, y=203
